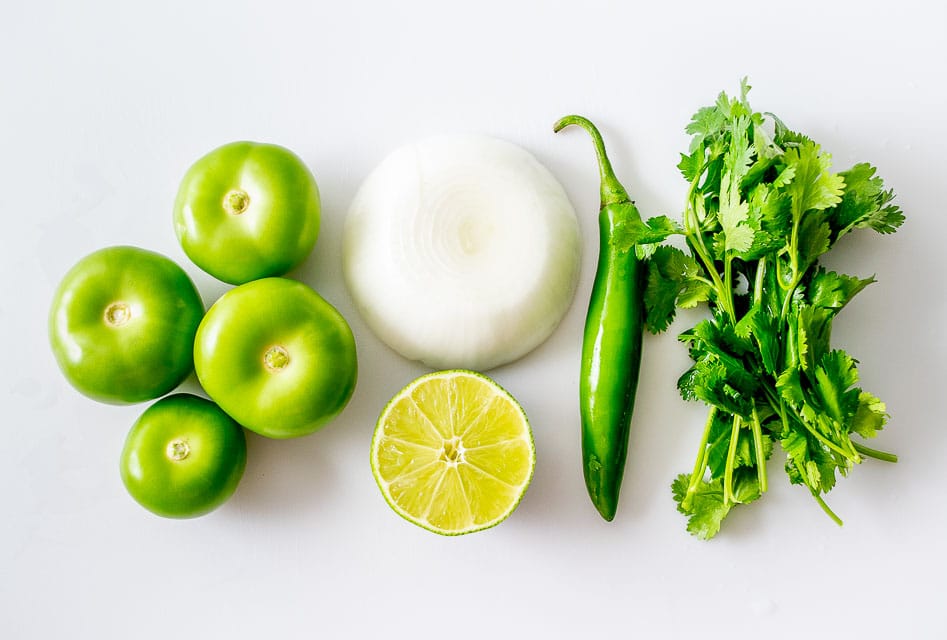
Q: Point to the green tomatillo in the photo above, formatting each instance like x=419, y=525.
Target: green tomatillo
x=184, y=457
x=247, y=210
x=276, y=357
x=122, y=325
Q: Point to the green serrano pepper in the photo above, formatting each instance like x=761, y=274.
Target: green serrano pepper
x=611, y=347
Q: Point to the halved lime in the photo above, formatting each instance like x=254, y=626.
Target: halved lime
x=453, y=452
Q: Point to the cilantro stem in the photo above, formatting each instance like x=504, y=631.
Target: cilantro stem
x=698, y=473
x=874, y=453
x=698, y=173
x=847, y=442
x=794, y=242
x=758, y=281
x=788, y=299
x=728, y=497
x=696, y=240
x=757, y=429
x=728, y=286
x=779, y=275
x=826, y=508
x=793, y=263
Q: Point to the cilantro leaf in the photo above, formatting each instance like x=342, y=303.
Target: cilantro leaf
x=807, y=462
x=660, y=228
x=785, y=176
x=739, y=155
x=660, y=297
x=720, y=337
x=634, y=231
x=768, y=216
x=812, y=186
x=796, y=445
x=679, y=490
x=746, y=452
x=831, y=290
x=673, y=281
x=789, y=385
x=707, y=509
x=772, y=207
x=734, y=214
x=692, y=292
x=718, y=443
x=883, y=219
x=870, y=417
x=708, y=122
x=865, y=203
x=734, y=211
x=786, y=137
x=746, y=486
x=814, y=239
x=831, y=389
x=812, y=330
x=691, y=163
x=756, y=172
x=762, y=327
x=721, y=382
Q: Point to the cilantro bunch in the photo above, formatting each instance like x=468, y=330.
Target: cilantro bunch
x=762, y=207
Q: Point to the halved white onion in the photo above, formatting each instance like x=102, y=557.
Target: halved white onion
x=461, y=251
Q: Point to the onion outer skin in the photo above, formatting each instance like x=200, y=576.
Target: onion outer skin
x=461, y=251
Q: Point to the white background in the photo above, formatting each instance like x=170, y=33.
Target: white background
x=103, y=106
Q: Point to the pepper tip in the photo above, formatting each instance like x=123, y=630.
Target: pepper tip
x=607, y=511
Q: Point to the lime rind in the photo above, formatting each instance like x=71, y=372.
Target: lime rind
x=471, y=478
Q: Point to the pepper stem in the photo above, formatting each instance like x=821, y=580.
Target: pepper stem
x=612, y=190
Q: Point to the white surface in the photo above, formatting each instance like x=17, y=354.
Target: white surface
x=104, y=107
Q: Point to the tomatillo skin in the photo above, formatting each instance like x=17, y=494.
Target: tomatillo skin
x=276, y=357
x=184, y=457
x=247, y=210
x=122, y=325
